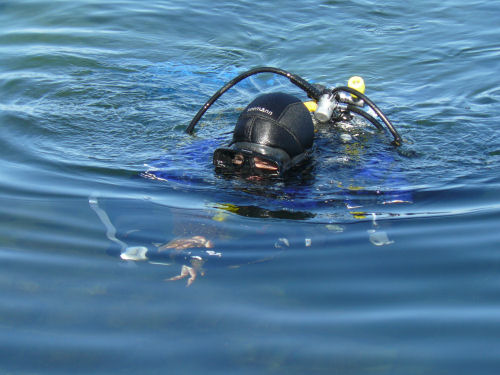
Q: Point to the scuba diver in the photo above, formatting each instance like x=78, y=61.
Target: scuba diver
x=274, y=134
x=273, y=138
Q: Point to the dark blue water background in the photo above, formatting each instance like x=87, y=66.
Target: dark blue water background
x=92, y=94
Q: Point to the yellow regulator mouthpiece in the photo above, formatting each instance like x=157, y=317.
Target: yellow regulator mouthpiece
x=356, y=83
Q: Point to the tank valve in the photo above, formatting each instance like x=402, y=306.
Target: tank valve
x=326, y=106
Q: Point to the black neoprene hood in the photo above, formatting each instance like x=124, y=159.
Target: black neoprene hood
x=276, y=120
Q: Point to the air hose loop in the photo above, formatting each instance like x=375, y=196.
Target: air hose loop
x=312, y=91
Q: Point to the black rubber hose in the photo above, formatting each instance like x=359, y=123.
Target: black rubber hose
x=397, y=138
x=312, y=92
x=370, y=118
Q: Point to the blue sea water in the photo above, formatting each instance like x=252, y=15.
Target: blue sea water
x=322, y=275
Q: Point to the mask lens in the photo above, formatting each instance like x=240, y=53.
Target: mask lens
x=265, y=166
x=231, y=160
x=244, y=162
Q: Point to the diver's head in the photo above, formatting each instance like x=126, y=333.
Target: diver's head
x=274, y=133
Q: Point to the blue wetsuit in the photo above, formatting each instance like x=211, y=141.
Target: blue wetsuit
x=301, y=197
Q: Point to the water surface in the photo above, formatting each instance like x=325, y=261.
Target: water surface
x=319, y=275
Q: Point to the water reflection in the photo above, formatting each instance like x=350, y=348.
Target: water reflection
x=263, y=213
x=196, y=242
x=190, y=242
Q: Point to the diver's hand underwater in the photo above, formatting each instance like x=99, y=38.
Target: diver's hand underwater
x=178, y=248
x=196, y=263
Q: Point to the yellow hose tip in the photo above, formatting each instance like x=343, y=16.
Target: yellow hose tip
x=356, y=83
